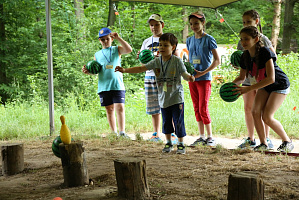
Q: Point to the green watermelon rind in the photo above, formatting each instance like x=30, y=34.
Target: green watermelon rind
x=93, y=67
x=146, y=56
x=189, y=67
x=236, y=58
x=55, y=146
x=226, y=92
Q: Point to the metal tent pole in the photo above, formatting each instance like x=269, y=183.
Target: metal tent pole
x=50, y=66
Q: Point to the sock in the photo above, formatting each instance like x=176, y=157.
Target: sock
x=121, y=133
x=169, y=141
x=211, y=136
x=202, y=136
x=181, y=143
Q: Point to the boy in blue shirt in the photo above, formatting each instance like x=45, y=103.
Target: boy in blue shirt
x=111, y=87
x=168, y=70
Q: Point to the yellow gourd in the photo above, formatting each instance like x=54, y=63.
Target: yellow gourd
x=65, y=133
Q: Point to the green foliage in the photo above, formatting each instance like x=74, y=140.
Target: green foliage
x=24, y=69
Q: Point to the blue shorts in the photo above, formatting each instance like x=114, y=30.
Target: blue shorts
x=175, y=114
x=108, y=98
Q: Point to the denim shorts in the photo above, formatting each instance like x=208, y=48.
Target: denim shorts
x=285, y=91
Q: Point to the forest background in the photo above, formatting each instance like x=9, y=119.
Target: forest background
x=75, y=24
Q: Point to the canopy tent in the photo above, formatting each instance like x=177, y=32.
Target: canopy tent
x=200, y=3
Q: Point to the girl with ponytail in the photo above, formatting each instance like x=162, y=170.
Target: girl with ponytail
x=252, y=18
x=271, y=83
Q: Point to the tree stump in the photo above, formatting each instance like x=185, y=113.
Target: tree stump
x=12, y=158
x=131, y=178
x=245, y=186
x=74, y=166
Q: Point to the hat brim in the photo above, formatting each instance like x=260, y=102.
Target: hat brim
x=197, y=16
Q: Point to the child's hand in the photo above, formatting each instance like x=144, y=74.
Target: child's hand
x=138, y=55
x=120, y=69
x=198, y=73
x=191, y=79
x=241, y=89
x=114, y=35
x=84, y=70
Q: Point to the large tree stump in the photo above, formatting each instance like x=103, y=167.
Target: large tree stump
x=131, y=178
x=12, y=158
x=245, y=186
x=74, y=166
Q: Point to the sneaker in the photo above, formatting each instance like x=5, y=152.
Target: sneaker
x=270, y=144
x=286, y=147
x=174, y=139
x=210, y=142
x=168, y=148
x=247, y=143
x=181, y=149
x=199, y=141
x=155, y=138
x=124, y=135
x=261, y=147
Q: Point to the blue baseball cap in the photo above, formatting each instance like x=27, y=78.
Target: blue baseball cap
x=104, y=31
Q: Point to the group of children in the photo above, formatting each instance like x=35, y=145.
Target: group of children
x=264, y=89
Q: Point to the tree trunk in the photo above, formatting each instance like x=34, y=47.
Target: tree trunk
x=288, y=26
x=245, y=186
x=276, y=22
x=12, y=158
x=185, y=30
x=111, y=17
x=74, y=166
x=3, y=77
x=79, y=11
x=131, y=179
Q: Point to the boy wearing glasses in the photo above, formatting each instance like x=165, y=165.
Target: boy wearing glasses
x=111, y=87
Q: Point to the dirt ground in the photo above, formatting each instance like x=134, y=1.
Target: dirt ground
x=200, y=174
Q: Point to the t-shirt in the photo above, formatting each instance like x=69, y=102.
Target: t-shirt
x=168, y=78
x=264, y=39
x=151, y=43
x=201, y=49
x=109, y=79
x=281, y=80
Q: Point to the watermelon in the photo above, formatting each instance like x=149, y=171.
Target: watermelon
x=189, y=67
x=93, y=67
x=55, y=146
x=145, y=56
x=235, y=58
x=226, y=92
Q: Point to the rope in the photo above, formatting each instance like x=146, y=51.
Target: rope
x=121, y=24
x=226, y=23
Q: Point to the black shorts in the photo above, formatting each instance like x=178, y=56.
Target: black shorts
x=108, y=98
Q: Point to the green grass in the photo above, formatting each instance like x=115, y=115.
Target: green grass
x=28, y=120
x=25, y=121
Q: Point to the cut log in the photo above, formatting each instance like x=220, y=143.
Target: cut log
x=131, y=178
x=245, y=186
x=12, y=158
x=74, y=166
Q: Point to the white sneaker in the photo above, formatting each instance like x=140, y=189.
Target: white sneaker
x=210, y=142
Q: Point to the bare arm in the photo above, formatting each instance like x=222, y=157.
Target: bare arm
x=131, y=70
x=263, y=83
x=240, y=79
x=124, y=47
